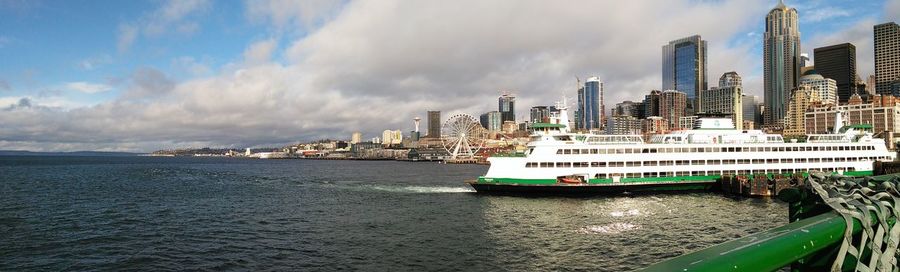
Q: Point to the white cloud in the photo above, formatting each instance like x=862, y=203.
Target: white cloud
x=126, y=37
x=291, y=14
x=87, y=87
x=892, y=11
x=377, y=64
x=820, y=14
x=173, y=14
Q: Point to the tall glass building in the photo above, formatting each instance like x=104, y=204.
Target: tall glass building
x=590, y=105
x=781, y=61
x=507, y=107
x=684, y=68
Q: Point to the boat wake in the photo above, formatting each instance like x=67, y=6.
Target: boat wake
x=614, y=228
x=423, y=189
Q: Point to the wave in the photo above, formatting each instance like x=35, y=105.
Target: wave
x=423, y=189
x=614, y=228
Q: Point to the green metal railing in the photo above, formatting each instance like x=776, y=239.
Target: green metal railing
x=810, y=243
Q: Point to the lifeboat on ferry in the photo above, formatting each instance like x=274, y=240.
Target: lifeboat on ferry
x=574, y=179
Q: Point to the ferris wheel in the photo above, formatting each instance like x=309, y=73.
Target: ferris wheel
x=462, y=136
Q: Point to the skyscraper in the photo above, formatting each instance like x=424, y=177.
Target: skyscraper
x=540, y=114
x=507, y=107
x=651, y=104
x=590, y=104
x=781, y=61
x=838, y=62
x=491, y=120
x=726, y=99
x=434, y=124
x=887, y=56
x=750, y=107
x=684, y=68
x=730, y=79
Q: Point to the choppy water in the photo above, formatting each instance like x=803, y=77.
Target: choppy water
x=94, y=213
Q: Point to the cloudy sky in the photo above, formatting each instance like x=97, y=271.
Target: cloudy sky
x=148, y=75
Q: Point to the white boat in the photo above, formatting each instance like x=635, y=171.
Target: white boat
x=686, y=159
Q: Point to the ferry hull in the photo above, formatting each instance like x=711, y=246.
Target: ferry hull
x=589, y=189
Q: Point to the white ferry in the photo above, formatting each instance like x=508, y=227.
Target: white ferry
x=559, y=161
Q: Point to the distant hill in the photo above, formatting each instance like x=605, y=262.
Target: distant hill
x=73, y=153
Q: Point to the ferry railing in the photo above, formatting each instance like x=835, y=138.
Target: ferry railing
x=807, y=244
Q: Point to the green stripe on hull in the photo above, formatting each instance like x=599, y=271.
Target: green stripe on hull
x=627, y=181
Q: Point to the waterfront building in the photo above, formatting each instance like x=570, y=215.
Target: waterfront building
x=725, y=101
x=687, y=122
x=509, y=127
x=355, y=138
x=623, y=125
x=540, y=114
x=887, y=56
x=507, y=107
x=838, y=63
x=492, y=120
x=434, y=124
x=387, y=137
x=671, y=106
x=591, y=111
x=781, y=61
x=802, y=97
x=825, y=88
x=654, y=125
x=651, y=103
x=684, y=68
x=882, y=112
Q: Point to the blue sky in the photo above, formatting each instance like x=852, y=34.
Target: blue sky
x=373, y=65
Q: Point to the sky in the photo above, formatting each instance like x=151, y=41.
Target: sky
x=140, y=76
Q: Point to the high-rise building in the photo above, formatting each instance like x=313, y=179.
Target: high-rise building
x=801, y=98
x=540, y=114
x=651, y=104
x=838, y=62
x=356, y=138
x=671, y=106
x=507, y=107
x=629, y=108
x=726, y=100
x=434, y=124
x=750, y=108
x=730, y=79
x=623, y=125
x=887, y=56
x=781, y=61
x=870, y=85
x=684, y=68
x=804, y=60
x=590, y=105
x=492, y=120
x=824, y=88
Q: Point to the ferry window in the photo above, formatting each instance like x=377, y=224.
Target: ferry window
x=682, y=173
x=758, y=161
x=814, y=160
x=649, y=174
x=633, y=175
x=617, y=164
x=653, y=150
x=665, y=163
x=598, y=164
x=585, y=151
x=576, y=151
x=594, y=151
x=562, y=138
x=602, y=151
x=800, y=160
x=745, y=149
x=787, y=160
x=628, y=151
x=839, y=159
x=567, y=151
x=700, y=162
x=559, y=151
x=709, y=149
x=546, y=165
x=563, y=164
x=667, y=150
x=650, y=163
x=529, y=165
x=827, y=160
x=744, y=161
x=728, y=161
x=681, y=162
x=580, y=164
x=601, y=175
x=633, y=164
x=714, y=162
x=696, y=173
x=743, y=172
x=771, y=160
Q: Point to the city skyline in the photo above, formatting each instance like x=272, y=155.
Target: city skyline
x=152, y=75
